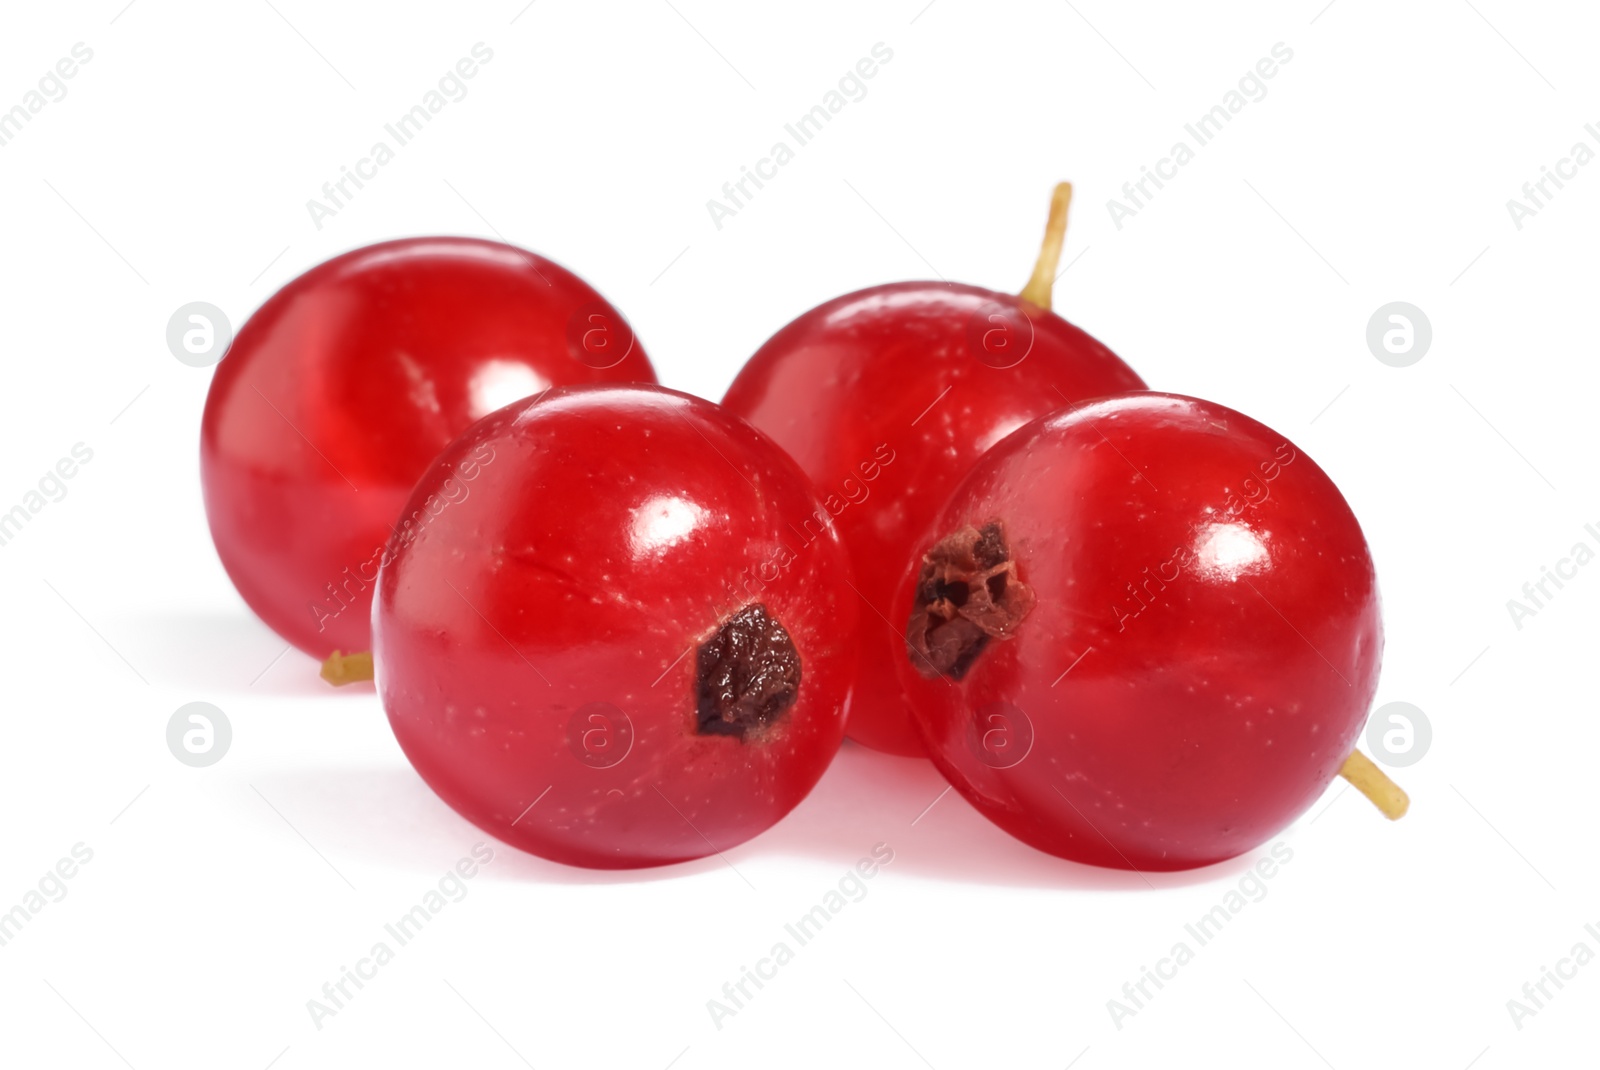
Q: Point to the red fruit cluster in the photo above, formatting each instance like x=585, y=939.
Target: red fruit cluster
x=616, y=625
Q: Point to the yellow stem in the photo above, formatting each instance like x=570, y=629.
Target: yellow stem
x=1037, y=291
x=341, y=669
x=1372, y=782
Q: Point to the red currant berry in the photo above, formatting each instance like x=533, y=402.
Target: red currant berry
x=605, y=642
x=340, y=390
x=886, y=396
x=1144, y=633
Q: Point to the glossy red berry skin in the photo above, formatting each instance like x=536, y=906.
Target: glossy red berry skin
x=886, y=397
x=539, y=642
x=339, y=391
x=1201, y=651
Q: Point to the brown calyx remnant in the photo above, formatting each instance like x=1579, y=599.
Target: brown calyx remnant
x=746, y=675
x=967, y=594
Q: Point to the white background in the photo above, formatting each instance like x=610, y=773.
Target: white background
x=1377, y=169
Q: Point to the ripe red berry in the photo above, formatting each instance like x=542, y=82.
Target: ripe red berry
x=886, y=396
x=606, y=642
x=1144, y=633
x=340, y=390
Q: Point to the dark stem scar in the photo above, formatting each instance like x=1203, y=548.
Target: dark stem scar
x=747, y=675
x=967, y=594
